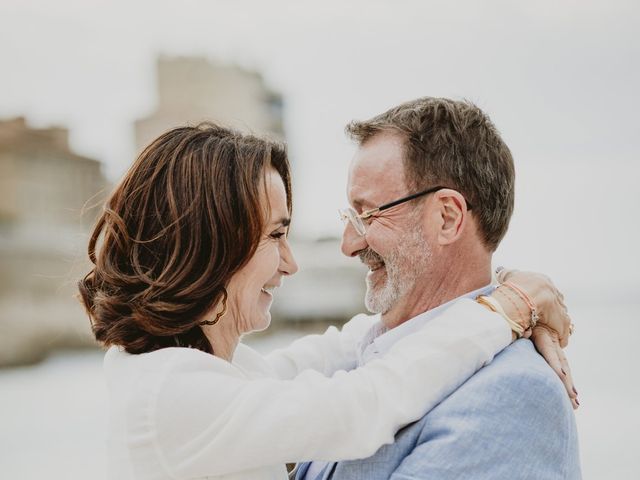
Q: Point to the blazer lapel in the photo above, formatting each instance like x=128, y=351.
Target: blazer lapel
x=300, y=470
x=328, y=470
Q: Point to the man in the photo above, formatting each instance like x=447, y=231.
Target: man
x=432, y=189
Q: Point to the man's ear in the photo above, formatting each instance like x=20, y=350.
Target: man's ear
x=453, y=215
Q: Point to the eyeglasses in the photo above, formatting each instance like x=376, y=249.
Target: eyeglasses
x=357, y=219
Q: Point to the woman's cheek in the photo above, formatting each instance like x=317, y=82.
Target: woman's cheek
x=271, y=261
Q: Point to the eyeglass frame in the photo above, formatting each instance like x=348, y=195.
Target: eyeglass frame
x=370, y=213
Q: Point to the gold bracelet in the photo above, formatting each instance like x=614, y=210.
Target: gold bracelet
x=493, y=305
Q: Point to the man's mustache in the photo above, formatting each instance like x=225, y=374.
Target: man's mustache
x=369, y=257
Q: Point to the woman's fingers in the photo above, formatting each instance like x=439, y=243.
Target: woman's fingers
x=563, y=326
x=544, y=343
x=503, y=274
x=548, y=344
x=573, y=394
x=564, y=336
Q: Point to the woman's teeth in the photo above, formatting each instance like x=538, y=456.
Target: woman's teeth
x=268, y=290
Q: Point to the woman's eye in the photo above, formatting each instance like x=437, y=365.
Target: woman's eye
x=277, y=235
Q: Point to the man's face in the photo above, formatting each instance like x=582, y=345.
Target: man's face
x=394, y=247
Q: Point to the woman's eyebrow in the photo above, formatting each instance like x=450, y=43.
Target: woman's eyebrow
x=284, y=221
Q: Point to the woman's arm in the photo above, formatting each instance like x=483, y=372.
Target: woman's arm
x=337, y=349
x=211, y=421
x=327, y=353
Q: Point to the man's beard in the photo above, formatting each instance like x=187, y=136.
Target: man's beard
x=406, y=263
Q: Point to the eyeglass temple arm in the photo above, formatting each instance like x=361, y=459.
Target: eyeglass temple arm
x=408, y=198
x=373, y=211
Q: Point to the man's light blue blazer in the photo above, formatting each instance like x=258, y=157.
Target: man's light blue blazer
x=511, y=420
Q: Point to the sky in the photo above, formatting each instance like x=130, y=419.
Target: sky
x=559, y=79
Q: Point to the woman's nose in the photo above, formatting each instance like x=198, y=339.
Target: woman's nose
x=288, y=264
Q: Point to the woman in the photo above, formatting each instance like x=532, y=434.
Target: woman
x=193, y=243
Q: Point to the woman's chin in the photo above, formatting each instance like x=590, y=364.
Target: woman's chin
x=263, y=323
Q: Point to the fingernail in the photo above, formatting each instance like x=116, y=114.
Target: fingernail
x=574, y=390
x=577, y=402
x=563, y=372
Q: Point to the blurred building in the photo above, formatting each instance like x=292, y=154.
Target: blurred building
x=45, y=194
x=192, y=90
x=328, y=287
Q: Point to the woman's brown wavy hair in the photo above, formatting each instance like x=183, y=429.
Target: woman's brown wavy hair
x=186, y=216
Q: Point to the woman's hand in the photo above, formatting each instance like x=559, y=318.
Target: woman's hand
x=549, y=301
x=548, y=344
x=551, y=333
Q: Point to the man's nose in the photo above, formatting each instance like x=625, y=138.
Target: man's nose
x=352, y=241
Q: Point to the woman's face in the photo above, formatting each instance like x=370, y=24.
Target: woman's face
x=251, y=289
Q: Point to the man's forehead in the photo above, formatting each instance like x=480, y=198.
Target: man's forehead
x=376, y=171
x=385, y=147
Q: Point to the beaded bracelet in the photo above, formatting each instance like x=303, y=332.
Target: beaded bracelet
x=514, y=299
x=523, y=295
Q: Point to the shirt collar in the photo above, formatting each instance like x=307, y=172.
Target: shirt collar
x=379, y=339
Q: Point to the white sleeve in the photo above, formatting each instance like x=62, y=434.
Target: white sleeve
x=327, y=353
x=213, y=422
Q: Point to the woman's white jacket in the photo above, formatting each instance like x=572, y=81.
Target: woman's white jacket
x=179, y=413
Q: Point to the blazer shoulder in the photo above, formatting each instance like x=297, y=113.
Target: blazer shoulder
x=519, y=370
x=518, y=382
x=520, y=365
x=514, y=415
